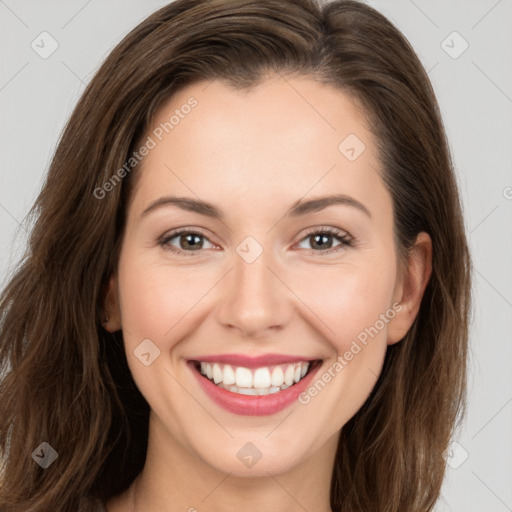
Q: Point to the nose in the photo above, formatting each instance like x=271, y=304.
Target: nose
x=255, y=301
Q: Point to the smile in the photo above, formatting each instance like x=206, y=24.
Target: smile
x=260, y=381
x=254, y=386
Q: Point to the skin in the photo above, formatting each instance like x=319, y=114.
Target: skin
x=253, y=155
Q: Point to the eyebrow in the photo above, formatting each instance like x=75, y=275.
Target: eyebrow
x=298, y=208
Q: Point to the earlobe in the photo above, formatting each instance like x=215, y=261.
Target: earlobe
x=414, y=281
x=112, y=317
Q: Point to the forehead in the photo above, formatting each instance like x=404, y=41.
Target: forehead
x=275, y=143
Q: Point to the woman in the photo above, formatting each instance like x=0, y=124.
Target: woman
x=178, y=337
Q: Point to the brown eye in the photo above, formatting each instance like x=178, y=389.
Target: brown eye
x=321, y=240
x=188, y=242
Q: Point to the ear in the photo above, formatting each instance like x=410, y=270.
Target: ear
x=410, y=289
x=112, y=312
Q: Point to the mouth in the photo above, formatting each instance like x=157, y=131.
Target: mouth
x=258, y=381
x=254, y=385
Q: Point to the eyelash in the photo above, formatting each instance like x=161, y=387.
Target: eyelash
x=346, y=241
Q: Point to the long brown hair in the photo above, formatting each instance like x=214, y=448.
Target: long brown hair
x=66, y=380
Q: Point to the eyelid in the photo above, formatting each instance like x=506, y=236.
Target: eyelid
x=345, y=238
x=327, y=229
x=181, y=231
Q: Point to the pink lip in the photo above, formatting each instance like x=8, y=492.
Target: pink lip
x=251, y=362
x=248, y=405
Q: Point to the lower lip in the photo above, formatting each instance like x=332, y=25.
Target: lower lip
x=249, y=405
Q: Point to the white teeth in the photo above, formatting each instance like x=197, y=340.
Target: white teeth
x=277, y=376
x=262, y=378
x=229, y=376
x=248, y=391
x=217, y=373
x=243, y=377
x=259, y=381
x=288, y=375
x=253, y=391
x=296, y=373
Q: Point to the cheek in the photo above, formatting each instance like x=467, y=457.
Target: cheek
x=153, y=299
x=350, y=304
x=342, y=301
x=348, y=300
x=158, y=303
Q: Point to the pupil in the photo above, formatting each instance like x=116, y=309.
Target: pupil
x=318, y=240
x=189, y=237
x=323, y=238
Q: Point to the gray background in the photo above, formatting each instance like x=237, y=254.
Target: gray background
x=474, y=89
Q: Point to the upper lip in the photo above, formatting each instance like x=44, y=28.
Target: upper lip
x=252, y=361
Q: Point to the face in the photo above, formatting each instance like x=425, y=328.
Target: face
x=267, y=282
